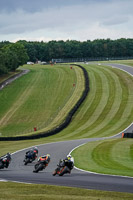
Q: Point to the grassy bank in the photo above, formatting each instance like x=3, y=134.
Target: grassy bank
x=42, y=98
x=108, y=108
x=15, y=191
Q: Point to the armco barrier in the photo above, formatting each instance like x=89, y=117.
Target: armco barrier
x=66, y=121
x=128, y=135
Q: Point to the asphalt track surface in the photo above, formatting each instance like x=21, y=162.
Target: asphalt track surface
x=11, y=79
x=18, y=172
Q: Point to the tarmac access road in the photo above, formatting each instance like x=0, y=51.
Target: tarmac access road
x=18, y=172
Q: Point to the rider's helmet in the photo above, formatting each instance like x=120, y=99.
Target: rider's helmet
x=69, y=157
x=35, y=149
x=8, y=155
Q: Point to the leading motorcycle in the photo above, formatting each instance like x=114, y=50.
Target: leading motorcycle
x=64, y=167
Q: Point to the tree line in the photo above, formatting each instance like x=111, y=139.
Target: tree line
x=13, y=55
x=46, y=51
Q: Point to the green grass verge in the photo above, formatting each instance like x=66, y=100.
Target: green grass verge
x=15, y=191
x=107, y=157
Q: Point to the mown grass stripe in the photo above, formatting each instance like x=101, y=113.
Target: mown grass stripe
x=104, y=114
x=124, y=116
x=91, y=97
x=66, y=99
x=23, y=97
x=89, y=105
x=103, y=88
x=123, y=155
x=112, y=106
x=14, y=93
x=68, y=106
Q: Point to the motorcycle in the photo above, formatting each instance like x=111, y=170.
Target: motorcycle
x=5, y=161
x=64, y=167
x=41, y=164
x=30, y=157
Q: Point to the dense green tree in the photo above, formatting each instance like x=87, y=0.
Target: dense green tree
x=11, y=60
x=16, y=55
x=3, y=69
x=12, y=55
x=4, y=43
x=86, y=49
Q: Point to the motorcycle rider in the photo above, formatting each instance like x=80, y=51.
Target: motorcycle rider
x=5, y=160
x=68, y=161
x=44, y=160
x=33, y=152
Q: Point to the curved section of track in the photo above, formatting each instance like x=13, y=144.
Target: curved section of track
x=18, y=172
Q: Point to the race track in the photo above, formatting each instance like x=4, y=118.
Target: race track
x=20, y=173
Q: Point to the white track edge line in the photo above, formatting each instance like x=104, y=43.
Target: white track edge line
x=110, y=65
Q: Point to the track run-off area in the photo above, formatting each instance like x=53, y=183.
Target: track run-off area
x=78, y=178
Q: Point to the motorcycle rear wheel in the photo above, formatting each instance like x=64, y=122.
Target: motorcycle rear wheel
x=38, y=167
x=55, y=172
x=1, y=165
x=27, y=160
